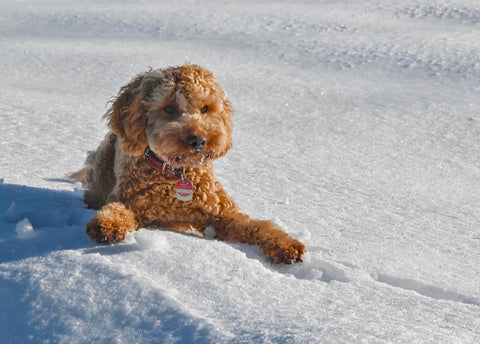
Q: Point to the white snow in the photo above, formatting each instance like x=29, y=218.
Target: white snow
x=180, y=99
x=24, y=229
x=356, y=128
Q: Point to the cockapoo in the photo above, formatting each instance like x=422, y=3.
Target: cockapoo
x=155, y=166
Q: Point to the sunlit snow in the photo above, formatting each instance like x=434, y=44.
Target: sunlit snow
x=356, y=129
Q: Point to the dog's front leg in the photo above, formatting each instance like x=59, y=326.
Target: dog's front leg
x=111, y=223
x=274, y=242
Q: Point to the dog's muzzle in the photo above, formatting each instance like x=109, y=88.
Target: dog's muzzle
x=196, y=142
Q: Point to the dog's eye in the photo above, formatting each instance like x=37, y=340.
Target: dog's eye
x=169, y=109
x=204, y=109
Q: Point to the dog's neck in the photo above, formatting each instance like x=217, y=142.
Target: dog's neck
x=161, y=165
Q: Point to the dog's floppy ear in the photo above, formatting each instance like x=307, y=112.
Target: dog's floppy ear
x=127, y=117
x=227, y=122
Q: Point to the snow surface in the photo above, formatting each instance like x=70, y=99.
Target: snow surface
x=357, y=129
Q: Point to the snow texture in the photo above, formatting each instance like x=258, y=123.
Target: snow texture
x=24, y=229
x=356, y=128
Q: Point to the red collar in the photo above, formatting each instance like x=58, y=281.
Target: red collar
x=158, y=164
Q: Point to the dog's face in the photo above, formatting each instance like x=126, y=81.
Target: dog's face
x=180, y=112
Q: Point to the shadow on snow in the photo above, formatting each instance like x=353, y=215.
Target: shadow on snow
x=58, y=219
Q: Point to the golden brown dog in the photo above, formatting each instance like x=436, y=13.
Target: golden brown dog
x=155, y=166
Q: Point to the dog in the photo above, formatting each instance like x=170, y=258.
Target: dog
x=154, y=168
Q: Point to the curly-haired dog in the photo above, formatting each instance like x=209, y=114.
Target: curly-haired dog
x=155, y=166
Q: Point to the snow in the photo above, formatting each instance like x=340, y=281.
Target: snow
x=356, y=129
x=24, y=229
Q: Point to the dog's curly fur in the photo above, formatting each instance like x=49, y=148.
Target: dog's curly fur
x=184, y=116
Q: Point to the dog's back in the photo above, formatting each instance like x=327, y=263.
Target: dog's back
x=98, y=173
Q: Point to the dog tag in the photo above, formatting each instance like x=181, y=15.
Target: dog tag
x=184, y=188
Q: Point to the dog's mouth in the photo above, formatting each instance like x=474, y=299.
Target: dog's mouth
x=191, y=159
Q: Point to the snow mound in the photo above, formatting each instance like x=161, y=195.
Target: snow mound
x=24, y=229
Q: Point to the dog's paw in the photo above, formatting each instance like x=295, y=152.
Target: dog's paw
x=105, y=232
x=288, y=252
x=111, y=224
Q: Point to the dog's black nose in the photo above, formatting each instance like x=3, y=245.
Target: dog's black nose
x=196, y=142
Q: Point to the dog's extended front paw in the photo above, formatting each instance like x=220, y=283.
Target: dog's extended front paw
x=111, y=223
x=288, y=251
x=105, y=232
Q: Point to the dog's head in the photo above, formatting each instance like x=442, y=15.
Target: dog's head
x=180, y=112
